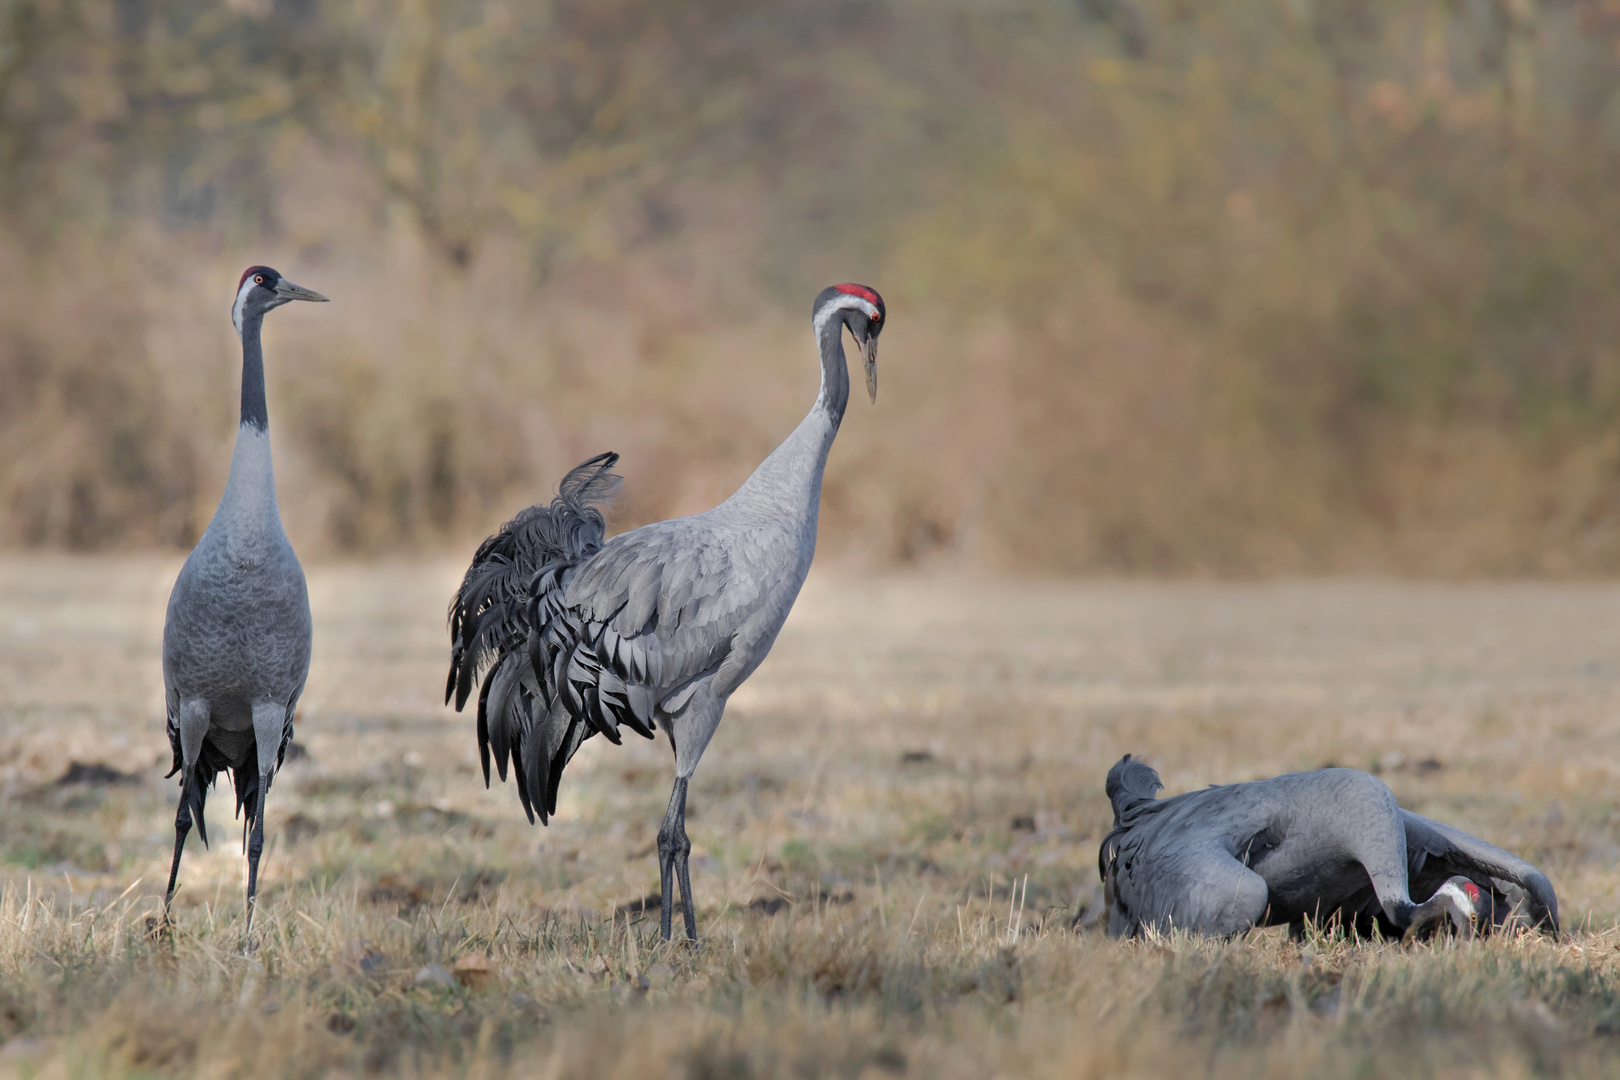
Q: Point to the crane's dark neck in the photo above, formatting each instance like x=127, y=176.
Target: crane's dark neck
x=247, y=515
x=254, y=411
x=834, y=397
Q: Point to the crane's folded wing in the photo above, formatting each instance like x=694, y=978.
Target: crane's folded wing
x=1185, y=883
x=661, y=607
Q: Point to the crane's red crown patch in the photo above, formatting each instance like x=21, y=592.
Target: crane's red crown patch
x=249, y=272
x=861, y=291
x=1472, y=890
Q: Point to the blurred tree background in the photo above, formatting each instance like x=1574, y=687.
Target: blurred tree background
x=1254, y=287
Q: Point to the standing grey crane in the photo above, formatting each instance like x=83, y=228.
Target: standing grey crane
x=656, y=627
x=1309, y=845
x=237, y=637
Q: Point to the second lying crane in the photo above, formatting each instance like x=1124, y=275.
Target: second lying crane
x=1320, y=845
x=656, y=627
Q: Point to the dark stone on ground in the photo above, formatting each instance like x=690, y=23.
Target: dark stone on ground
x=96, y=774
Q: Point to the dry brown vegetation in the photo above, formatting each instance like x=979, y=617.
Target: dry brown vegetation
x=1262, y=286
x=914, y=751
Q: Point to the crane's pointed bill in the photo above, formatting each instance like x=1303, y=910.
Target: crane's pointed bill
x=287, y=290
x=869, y=354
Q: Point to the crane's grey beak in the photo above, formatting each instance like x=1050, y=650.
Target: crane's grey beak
x=869, y=354
x=286, y=290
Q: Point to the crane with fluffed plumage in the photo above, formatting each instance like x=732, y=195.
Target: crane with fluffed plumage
x=576, y=635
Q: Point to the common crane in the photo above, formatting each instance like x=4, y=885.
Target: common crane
x=657, y=627
x=237, y=637
x=1309, y=845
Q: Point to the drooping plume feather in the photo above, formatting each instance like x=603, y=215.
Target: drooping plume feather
x=1133, y=787
x=1130, y=784
x=488, y=614
x=490, y=626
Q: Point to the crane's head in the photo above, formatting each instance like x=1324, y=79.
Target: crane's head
x=261, y=289
x=1459, y=900
x=861, y=310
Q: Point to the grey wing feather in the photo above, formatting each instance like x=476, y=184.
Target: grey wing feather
x=1436, y=851
x=1191, y=884
x=678, y=600
x=628, y=634
x=1159, y=875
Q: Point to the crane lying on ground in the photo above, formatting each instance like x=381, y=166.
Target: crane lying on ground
x=237, y=637
x=1325, y=845
x=657, y=627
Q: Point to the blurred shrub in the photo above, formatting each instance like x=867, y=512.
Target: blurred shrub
x=1260, y=286
x=90, y=456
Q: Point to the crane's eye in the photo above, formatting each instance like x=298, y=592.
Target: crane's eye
x=259, y=278
x=877, y=316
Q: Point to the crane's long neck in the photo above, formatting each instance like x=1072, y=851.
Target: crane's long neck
x=248, y=505
x=254, y=411
x=834, y=396
x=787, y=485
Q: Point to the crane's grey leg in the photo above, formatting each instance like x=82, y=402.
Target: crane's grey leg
x=683, y=874
x=255, y=847
x=269, y=724
x=192, y=722
x=689, y=732
x=182, y=829
x=673, y=849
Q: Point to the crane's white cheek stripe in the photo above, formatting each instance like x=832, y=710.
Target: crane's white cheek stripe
x=843, y=302
x=241, y=302
x=1458, y=897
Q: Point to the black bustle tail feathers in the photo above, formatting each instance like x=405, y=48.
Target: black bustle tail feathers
x=490, y=630
x=1132, y=786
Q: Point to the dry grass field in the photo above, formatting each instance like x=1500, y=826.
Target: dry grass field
x=892, y=834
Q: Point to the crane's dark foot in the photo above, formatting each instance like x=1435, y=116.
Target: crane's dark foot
x=685, y=877
x=666, y=891
x=160, y=929
x=255, y=848
x=182, y=829
x=673, y=850
x=249, y=942
x=672, y=867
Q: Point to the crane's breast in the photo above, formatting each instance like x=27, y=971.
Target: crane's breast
x=235, y=635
